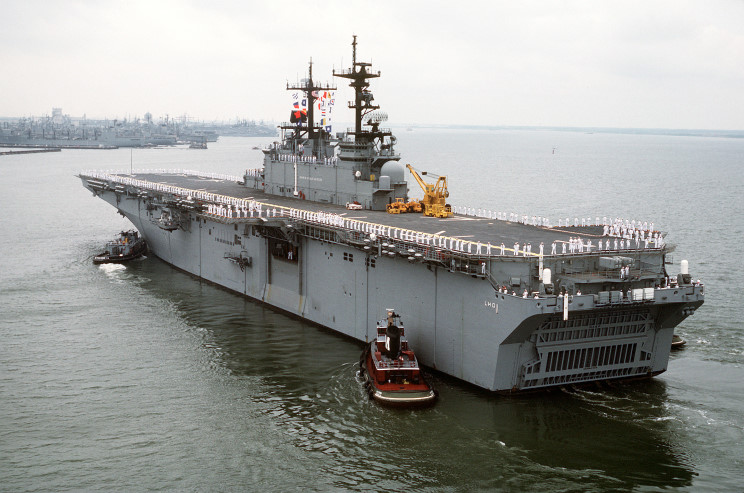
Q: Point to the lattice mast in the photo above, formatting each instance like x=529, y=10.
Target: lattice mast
x=359, y=75
x=311, y=91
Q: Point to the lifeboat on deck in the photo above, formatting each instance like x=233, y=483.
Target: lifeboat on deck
x=390, y=370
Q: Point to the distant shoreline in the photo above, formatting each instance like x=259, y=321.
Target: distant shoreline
x=400, y=127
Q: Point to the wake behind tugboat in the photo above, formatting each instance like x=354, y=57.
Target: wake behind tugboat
x=390, y=370
x=129, y=245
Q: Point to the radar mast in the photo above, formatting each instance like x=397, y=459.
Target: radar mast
x=359, y=75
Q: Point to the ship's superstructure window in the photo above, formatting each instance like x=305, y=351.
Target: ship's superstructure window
x=370, y=262
x=349, y=256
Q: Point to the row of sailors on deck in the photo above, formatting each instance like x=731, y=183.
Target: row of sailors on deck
x=577, y=245
x=525, y=219
x=616, y=227
x=502, y=216
x=298, y=158
x=622, y=228
x=253, y=209
x=629, y=234
x=574, y=245
x=657, y=241
x=318, y=217
x=625, y=228
x=525, y=294
x=583, y=222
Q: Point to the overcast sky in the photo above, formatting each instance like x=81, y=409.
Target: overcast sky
x=648, y=64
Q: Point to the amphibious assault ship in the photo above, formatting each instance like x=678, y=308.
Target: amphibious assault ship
x=479, y=303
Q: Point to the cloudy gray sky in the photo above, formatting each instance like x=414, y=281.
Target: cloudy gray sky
x=648, y=64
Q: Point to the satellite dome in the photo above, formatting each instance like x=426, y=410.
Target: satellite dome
x=394, y=170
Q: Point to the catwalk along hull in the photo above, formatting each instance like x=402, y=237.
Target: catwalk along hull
x=341, y=273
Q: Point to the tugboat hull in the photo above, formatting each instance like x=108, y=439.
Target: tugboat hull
x=104, y=258
x=678, y=342
x=127, y=247
x=396, y=381
x=395, y=395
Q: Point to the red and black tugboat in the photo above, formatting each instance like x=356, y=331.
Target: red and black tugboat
x=390, y=370
x=129, y=245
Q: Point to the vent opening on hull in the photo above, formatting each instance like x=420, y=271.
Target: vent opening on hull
x=586, y=377
x=590, y=357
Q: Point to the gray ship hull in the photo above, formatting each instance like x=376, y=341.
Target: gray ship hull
x=455, y=317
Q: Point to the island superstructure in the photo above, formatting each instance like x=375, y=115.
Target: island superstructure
x=481, y=305
x=359, y=166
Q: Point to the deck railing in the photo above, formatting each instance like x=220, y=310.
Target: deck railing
x=386, y=239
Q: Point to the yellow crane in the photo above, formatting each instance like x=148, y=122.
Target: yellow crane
x=435, y=195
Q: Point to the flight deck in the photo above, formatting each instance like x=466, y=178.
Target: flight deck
x=471, y=229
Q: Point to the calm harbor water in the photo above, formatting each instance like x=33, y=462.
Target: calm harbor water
x=140, y=377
